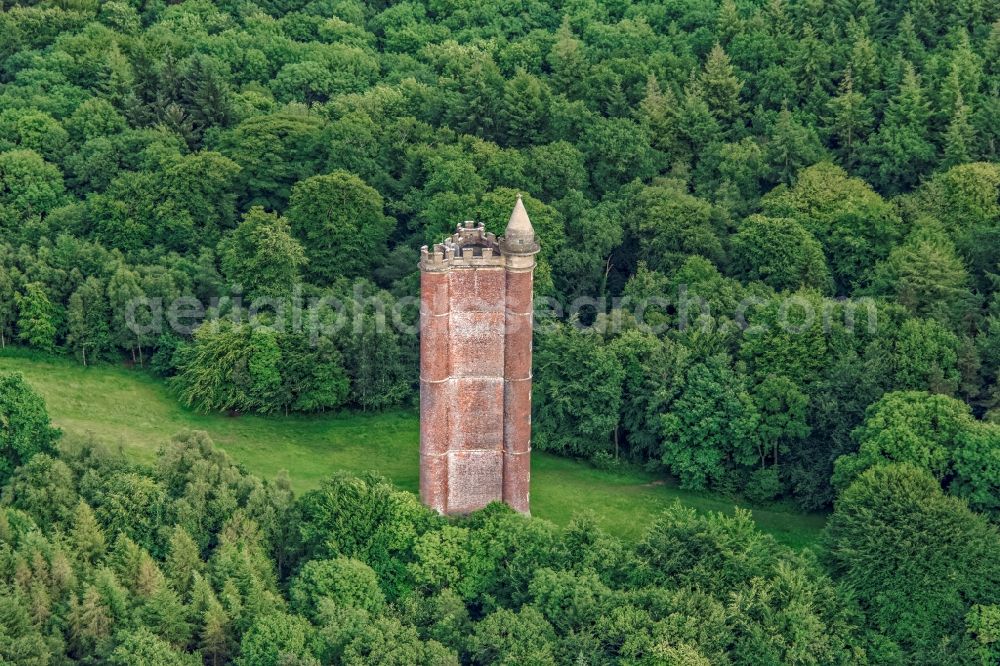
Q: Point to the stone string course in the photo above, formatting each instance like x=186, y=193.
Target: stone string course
x=475, y=367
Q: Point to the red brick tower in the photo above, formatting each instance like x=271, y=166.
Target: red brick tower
x=475, y=367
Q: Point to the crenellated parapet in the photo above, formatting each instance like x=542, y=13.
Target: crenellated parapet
x=470, y=245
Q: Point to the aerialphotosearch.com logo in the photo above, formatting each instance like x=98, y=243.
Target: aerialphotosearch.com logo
x=327, y=315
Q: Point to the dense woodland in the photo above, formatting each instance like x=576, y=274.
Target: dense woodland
x=784, y=152
x=194, y=561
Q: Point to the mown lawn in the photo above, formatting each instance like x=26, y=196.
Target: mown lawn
x=131, y=409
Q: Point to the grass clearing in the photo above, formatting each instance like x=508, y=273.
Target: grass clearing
x=134, y=410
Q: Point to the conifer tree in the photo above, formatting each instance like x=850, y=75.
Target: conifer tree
x=925, y=274
x=907, y=43
x=791, y=147
x=728, y=23
x=959, y=139
x=863, y=65
x=568, y=62
x=901, y=150
x=166, y=616
x=850, y=119
x=89, y=622
x=215, y=638
x=87, y=536
x=720, y=87
x=658, y=114
x=205, y=94
x=183, y=561
x=525, y=110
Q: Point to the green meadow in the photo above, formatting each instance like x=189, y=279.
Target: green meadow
x=129, y=409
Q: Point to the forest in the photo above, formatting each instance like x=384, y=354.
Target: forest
x=809, y=190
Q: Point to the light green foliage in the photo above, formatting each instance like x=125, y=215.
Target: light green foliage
x=44, y=487
x=387, y=641
x=708, y=558
x=36, y=317
x=508, y=637
x=372, y=522
x=94, y=118
x=183, y=561
x=347, y=583
x=33, y=130
x=88, y=321
x=341, y=224
x=230, y=366
x=910, y=427
x=983, y=622
x=26, y=429
x=261, y=255
x=131, y=504
x=926, y=357
x=143, y=648
x=720, y=87
x=855, y=226
x=782, y=409
x=202, y=184
x=137, y=409
x=934, y=433
x=569, y=601
x=273, y=639
x=964, y=200
x=87, y=537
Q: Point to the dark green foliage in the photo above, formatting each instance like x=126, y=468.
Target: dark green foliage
x=577, y=393
x=495, y=587
x=670, y=224
x=637, y=133
x=780, y=253
x=243, y=367
x=917, y=559
x=707, y=424
x=694, y=158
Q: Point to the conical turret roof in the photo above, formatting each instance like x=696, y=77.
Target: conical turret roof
x=519, y=224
